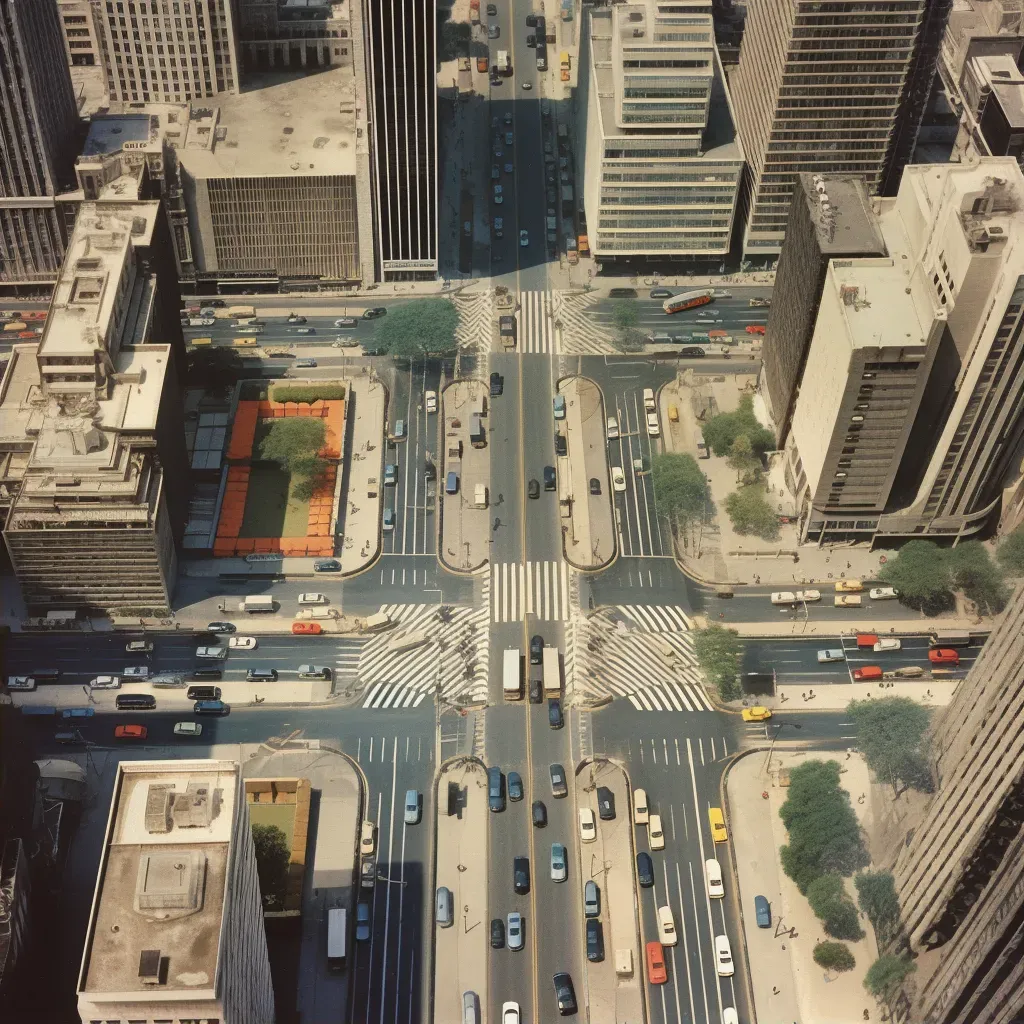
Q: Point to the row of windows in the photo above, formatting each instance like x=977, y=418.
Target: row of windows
x=682, y=37
x=669, y=198
x=672, y=243
x=669, y=92
x=636, y=223
x=652, y=175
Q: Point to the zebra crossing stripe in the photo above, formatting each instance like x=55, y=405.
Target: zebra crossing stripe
x=657, y=618
x=537, y=335
x=536, y=588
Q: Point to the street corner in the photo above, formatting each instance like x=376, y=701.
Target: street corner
x=608, y=893
x=360, y=524
x=464, y=527
x=584, y=480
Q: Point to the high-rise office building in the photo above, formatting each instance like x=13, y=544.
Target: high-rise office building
x=38, y=135
x=176, y=928
x=168, y=52
x=661, y=163
x=959, y=863
x=910, y=412
x=81, y=38
x=824, y=88
x=398, y=60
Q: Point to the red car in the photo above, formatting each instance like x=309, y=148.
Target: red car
x=868, y=672
x=307, y=628
x=755, y=328
x=943, y=656
x=656, y=972
x=131, y=732
x=867, y=639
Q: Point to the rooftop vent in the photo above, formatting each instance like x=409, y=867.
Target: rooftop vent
x=149, y=966
x=158, y=808
x=193, y=808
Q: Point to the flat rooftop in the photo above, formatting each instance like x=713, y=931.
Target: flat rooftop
x=848, y=224
x=281, y=125
x=109, y=132
x=162, y=883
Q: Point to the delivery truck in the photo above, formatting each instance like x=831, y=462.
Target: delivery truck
x=552, y=672
x=337, y=937
x=257, y=603
x=511, y=680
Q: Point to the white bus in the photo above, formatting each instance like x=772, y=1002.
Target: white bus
x=511, y=679
x=337, y=937
x=688, y=300
x=552, y=673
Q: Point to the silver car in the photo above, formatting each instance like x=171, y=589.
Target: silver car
x=558, y=868
x=514, y=931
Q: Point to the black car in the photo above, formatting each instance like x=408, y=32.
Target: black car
x=661, y=293
x=327, y=565
x=595, y=485
x=533, y=489
x=203, y=693
x=496, y=80
x=536, y=649
x=561, y=448
x=515, y=786
x=645, y=870
x=595, y=941
x=497, y=933
x=565, y=994
x=540, y=814
x=521, y=875
x=622, y=293
x=558, y=786
x=204, y=672
x=497, y=384
x=495, y=789
x=492, y=9
x=550, y=480
x=220, y=627
x=605, y=803
x=691, y=352
x=536, y=690
x=373, y=312
x=531, y=20
x=216, y=303
x=555, y=719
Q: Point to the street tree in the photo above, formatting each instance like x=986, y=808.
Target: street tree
x=417, y=329
x=977, y=576
x=920, y=573
x=750, y=513
x=624, y=314
x=718, y=651
x=886, y=974
x=272, y=858
x=744, y=460
x=876, y=896
x=832, y=905
x=215, y=370
x=681, y=488
x=1010, y=552
x=891, y=734
x=834, y=956
x=721, y=431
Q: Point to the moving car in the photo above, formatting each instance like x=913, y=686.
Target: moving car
x=653, y=430
x=558, y=786
x=943, y=656
x=203, y=693
x=756, y=714
x=640, y=810
x=326, y=565
x=723, y=956
x=192, y=729
x=312, y=597
x=565, y=994
x=373, y=312
x=130, y=732
x=644, y=870
x=346, y=321
x=808, y=595
x=430, y=400
x=21, y=683
x=135, y=673
x=307, y=628
x=536, y=649
x=498, y=199
x=849, y=586
x=883, y=593
x=515, y=786
x=540, y=814
x=555, y=719
x=390, y=475
x=305, y=330
x=443, y=903
x=388, y=520
x=510, y=1013
x=887, y=643
x=362, y=922
x=220, y=627
x=497, y=933
x=521, y=875
x=550, y=480
x=716, y=889
x=243, y=643
x=848, y=601
x=613, y=428
x=656, y=972
x=595, y=485
x=515, y=930
x=591, y=899
x=588, y=830
x=558, y=868
x=595, y=941
x=661, y=293
x=667, y=927
x=367, y=838
x=497, y=384
x=618, y=479
x=655, y=833
x=211, y=653
x=105, y=683
x=867, y=673
x=211, y=707
x=524, y=238
x=412, y=807
x=139, y=647
x=831, y=654
x=533, y=489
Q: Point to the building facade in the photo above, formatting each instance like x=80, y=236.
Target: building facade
x=399, y=58
x=168, y=52
x=275, y=36
x=960, y=869
x=953, y=281
x=81, y=37
x=93, y=471
x=662, y=164
x=829, y=218
x=176, y=927
x=39, y=130
x=824, y=89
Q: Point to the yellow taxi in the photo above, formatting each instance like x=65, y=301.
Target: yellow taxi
x=756, y=714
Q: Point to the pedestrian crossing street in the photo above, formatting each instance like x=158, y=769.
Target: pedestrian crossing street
x=448, y=661
x=536, y=588
x=476, y=321
x=536, y=324
x=647, y=658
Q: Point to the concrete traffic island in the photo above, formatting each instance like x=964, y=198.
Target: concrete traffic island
x=461, y=949
x=464, y=518
x=611, y=997
x=588, y=531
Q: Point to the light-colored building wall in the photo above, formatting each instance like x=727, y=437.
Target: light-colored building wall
x=81, y=39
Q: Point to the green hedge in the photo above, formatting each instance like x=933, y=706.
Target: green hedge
x=307, y=394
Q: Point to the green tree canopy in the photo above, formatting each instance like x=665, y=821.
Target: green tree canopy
x=719, y=651
x=832, y=905
x=824, y=835
x=680, y=486
x=886, y=974
x=213, y=369
x=293, y=442
x=630, y=340
x=722, y=430
x=272, y=857
x=744, y=460
x=414, y=330
x=891, y=734
x=876, y=896
x=973, y=571
x=1010, y=552
x=750, y=513
x=624, y=314
x=834, y=956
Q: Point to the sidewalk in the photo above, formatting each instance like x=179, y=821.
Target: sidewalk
x=787, y=985
x=359, y=508
x=464, y=530
x=914, y=624
x=461, y=950
x=609, y=862
x=932, y=693
x=588, y=537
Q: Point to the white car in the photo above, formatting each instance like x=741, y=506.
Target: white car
x=588, y=830
x=729, y=1015
x=136, y=672
x=206, y=321
x=716, y=889
x=430, y=400
x=613, y=428
x=640, y=810
x=243, y=643
x=723, y=956
x=655, y=833
x=497, y=195
x=21, y=683
x=139, y=647
x=188, y=729
x=667, y=927
x=366, y=839
x=883, y=593
x=510, y=1013
x=808, y=595
x=783, y=597
x=618, y=479
x=524, y=238
x=653, y=430
x=831, y=654
x=105, y=683
x=312, y=598
x=888, y=643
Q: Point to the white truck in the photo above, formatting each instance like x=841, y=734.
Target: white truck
x=511, y=680
x=552, y=672
x=337, y=937
x=503, y=64
x=257, y=603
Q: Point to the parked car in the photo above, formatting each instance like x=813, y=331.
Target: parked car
x=533, y=489
x=211, y=653
x=943, y=656
x=21, y=683
x=306, y=628
x=618, y=479
x=555, y=719
x=367, y=838
x=243, y=643
x=105, y=683
x=373, y=312
x=139, y=647
x=203, y=693
x=887, y=643
x=221, y=627
x=641, y=812
x=362, y=922
x=595, y=941
x=130, y=732
x=588, y=829
x=605, y=803
x=521, y=875
x=867, y=674
x=430, y=401
x=655, y=832
x=595, y=485
x=591, y=899
x=716, y=888
x=135, y=673
x=565, y=994
x=762, y=912
x=211, y=707
x=661, y=293
x=849, y=586
x=346, y=321
x=644, y=869
x=326, y=565
x=883, y=593
x=558, y=786
x=667, y=927
x=497, y=933
x=515, y=786
x=540, y=814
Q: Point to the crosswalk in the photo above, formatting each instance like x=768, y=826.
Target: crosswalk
x=476, y=321
x=640, y=659
x=536, y=324
x=430, y=654
x=540, y=589
x=581, y=333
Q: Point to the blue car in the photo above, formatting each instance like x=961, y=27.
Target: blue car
x=762, y=912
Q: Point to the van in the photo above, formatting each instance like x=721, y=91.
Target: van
x=314, y=672
x=719, y=833
x=495, y=789
x=46, y=675
x=451, y=483
x=444, y=908
x=261, y=675
x=470, y=1008
x=649, y=399
x=135, y=702
x=377, y=623
x=480, y=496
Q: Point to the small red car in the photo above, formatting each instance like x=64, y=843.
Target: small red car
x=868, y=672
x=307, y=628
x=943, y=656
x=656, y=972
x=755, y=328
x=867, y=639
x=130, y=732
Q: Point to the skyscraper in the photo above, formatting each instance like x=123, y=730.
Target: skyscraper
x=399, y=59
x=823, y=88
x=959, y=865
x=38, y=134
